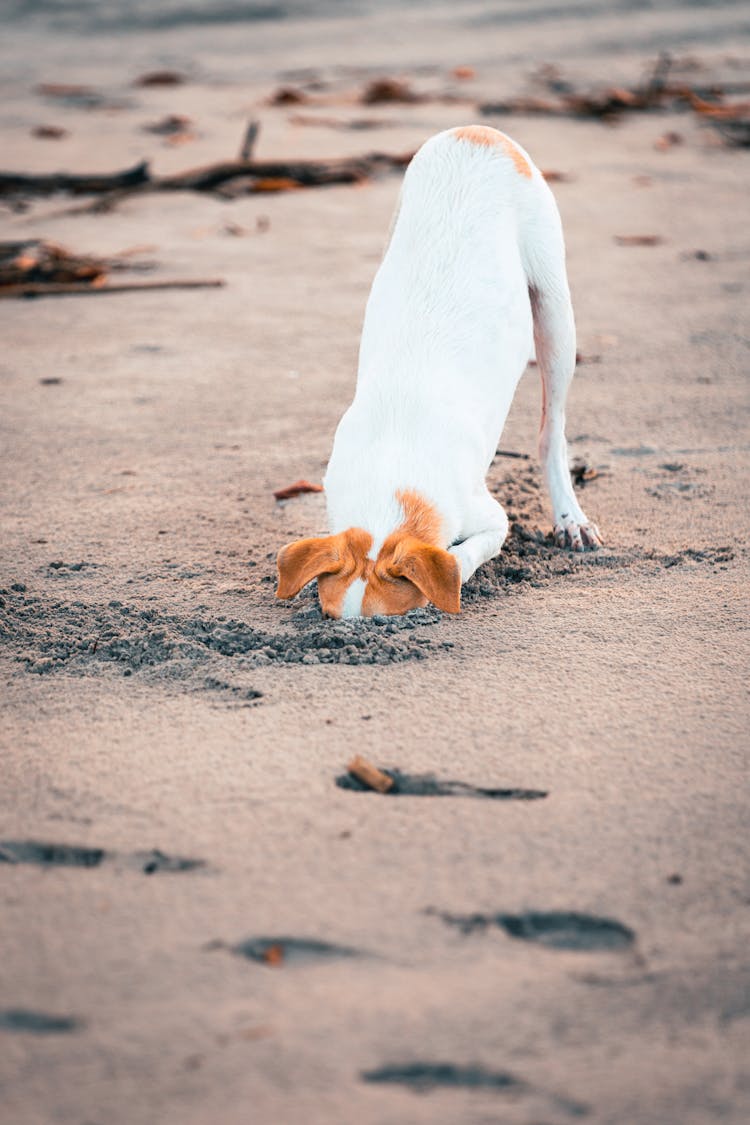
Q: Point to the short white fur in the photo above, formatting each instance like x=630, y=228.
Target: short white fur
x=472, y=281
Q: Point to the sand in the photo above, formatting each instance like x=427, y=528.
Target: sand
x=202, y=919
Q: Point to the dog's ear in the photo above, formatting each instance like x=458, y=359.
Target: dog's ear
x=306, y=559
x=437, y=573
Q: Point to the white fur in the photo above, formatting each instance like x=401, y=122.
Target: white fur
x=473, y=278
x=352, y=606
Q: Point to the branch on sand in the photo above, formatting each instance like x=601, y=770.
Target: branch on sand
x=36, y=268
x=610, y=102
x=62, y=289
x=242, y=176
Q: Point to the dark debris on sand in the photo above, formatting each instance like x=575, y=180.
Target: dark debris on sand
x=47, y=635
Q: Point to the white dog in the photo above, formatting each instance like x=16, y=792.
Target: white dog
x=475, y=264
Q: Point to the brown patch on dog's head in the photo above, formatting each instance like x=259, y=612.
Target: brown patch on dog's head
x=335, y=560
x=487, y=137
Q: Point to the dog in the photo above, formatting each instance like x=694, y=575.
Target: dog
x=472, y=282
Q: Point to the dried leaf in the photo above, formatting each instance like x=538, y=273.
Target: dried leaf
x=49, y=132
x=288, y=95
x=160, y=78
x=63, y=90
x=180, y=139
x=297, y=489
x=274, y=954
x=388, y=90
x=553, y=177
x=581, y=471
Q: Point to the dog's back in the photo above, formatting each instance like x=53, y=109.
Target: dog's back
x=452, y=285
x=448, y=327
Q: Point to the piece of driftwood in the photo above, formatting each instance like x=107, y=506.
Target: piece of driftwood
x=297, y=489
x=67, y=289
x=258, y=175
x=370, y=775
x=512, y=453
x=17, y=183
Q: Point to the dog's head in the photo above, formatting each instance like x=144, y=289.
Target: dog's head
x=407, y=573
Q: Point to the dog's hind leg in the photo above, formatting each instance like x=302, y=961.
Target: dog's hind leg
x=555, y=344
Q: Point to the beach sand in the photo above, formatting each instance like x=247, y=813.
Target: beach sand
x=578, y=954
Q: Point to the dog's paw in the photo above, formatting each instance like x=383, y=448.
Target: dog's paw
x=575, y=536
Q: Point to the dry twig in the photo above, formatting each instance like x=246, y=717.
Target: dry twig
x=66, y=289
x=297, y=489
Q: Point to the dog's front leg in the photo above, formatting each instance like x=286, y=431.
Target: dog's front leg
x=485, y=534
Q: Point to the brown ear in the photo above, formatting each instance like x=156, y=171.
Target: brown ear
x=304, y=560
x=437, y=573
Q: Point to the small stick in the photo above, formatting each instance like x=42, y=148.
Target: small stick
x=51, y=289
x=510, y=453
x=370, y=775
x=248, y=142
x=658, y=80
